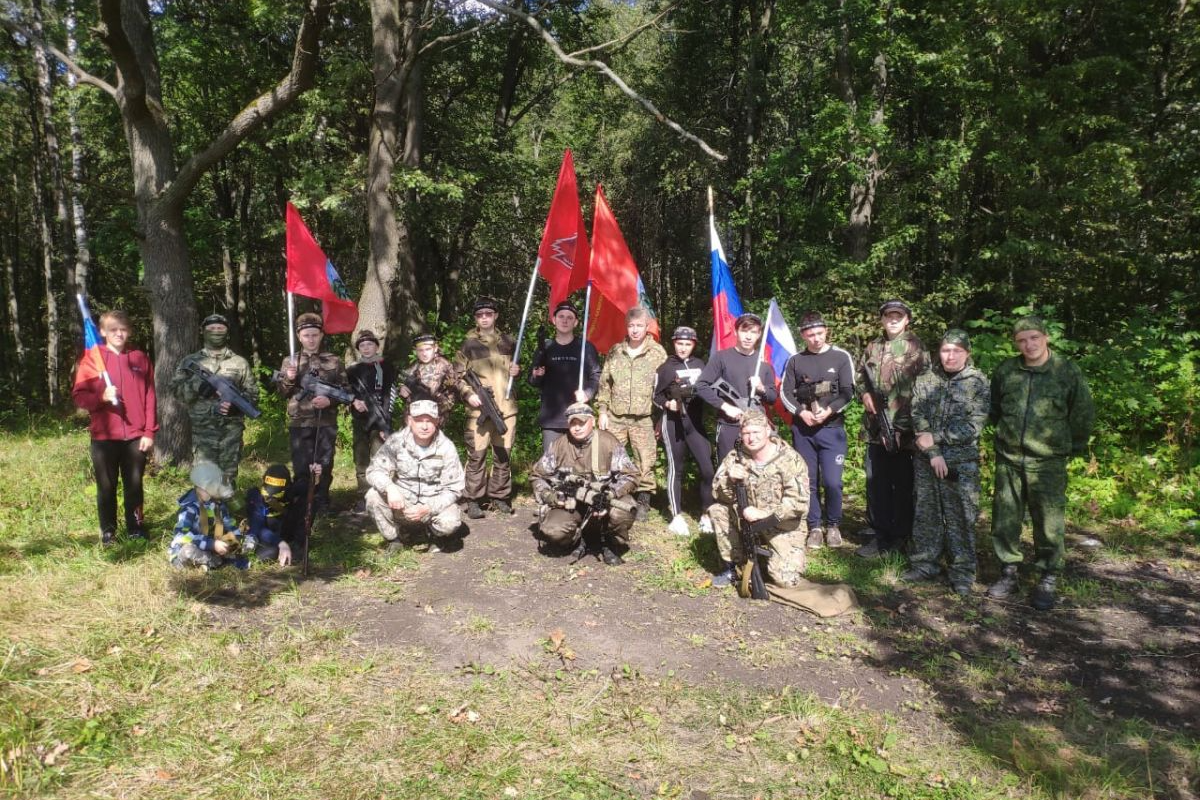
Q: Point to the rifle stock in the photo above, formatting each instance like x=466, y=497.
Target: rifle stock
x=487, y=401
x=750, y=583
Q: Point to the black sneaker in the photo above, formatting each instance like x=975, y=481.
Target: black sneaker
x=394, y=546
x=502, y=507
x=474, y=511
x=137, y=535
x=643, y=507
x=1006, y=585
x=610, y=557
x=1042, y=597
x=107, y=538
x=360, y=507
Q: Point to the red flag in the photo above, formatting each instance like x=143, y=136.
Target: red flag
x=617, y=286
x=311, y=274
x=563, y=255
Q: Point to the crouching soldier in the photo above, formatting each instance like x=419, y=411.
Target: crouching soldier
x=776, y=479
x=275, y=516
x=593, y=464
x=205, y=535
x=949, y=409
x=416, y=480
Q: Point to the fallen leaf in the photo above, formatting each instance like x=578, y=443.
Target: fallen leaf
x=137, y=730
x=363, y=573
x=163, y=775
x=81, y=665
x=509, y=791
x=557, y=637
x=234, y=648
x=49, y=758
x=421, y=709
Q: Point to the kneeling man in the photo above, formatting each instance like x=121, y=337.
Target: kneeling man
x=777, y=495
x=416, y=480
x=583, y=478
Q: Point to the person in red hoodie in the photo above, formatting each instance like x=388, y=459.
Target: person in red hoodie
x=124, y=421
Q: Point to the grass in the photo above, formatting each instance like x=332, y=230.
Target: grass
x=122, y=678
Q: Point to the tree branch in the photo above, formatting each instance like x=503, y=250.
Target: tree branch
x=266, y=106
x=13, y=27
x=603, y=69
x=620, y=42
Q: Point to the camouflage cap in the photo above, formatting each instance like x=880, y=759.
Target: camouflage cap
x=957, y=336
x=895, y=305
x=207, y=476
x=812, y=320
x=755, y=417
x=747, y=319
x=423, y=408
x=309, y=320
x=684, y=333
x=1029, y=323
x=579, y=410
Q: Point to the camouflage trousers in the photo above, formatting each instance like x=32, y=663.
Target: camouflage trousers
x=1042, y=486
x=637, y=433
x=481, y=436
x=562, y=529
x=219, y=440
x=394, y=527
x=944, y=521
x=785, y=565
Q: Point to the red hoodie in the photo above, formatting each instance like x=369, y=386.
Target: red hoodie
x=137, y=414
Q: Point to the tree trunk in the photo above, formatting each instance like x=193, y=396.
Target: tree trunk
x=50, y=294
x=862, y=193
x=83, y=252
x=388, y=303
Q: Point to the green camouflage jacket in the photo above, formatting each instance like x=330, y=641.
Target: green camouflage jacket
x=779, y=486
x=627, y=381
x=894, y=366
x=191, y=389
x=1043, y=412
x=954, y=409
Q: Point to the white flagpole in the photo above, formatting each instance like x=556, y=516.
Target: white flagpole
x=587, y=307
x=524, y=318
x=762, y=345
x=291, y=304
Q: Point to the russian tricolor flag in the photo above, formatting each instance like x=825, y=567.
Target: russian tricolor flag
x=778, y=346
x=91, y=363
x=726, y=304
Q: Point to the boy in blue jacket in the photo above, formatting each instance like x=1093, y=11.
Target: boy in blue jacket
x=205, y=535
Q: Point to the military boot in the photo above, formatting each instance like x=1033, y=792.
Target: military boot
x=474, y=511
x=643, y=506
x=1006, y=585
x=1042, y=597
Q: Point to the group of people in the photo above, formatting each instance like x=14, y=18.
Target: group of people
x=922, y=427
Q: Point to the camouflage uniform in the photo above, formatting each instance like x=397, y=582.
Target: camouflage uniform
x=601, y=455
x=216, y=437
x=894, y=367
x=627, y=396
x=430, y=476
x=780, y=486
x=1043, y=416
x=488, y=355
x=441, y=379
x=312, y=431
x=953, y=409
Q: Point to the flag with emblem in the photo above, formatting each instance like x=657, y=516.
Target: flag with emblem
x=562, y=258
x=311, y=274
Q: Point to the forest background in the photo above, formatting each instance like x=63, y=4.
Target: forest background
x=980, y=158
